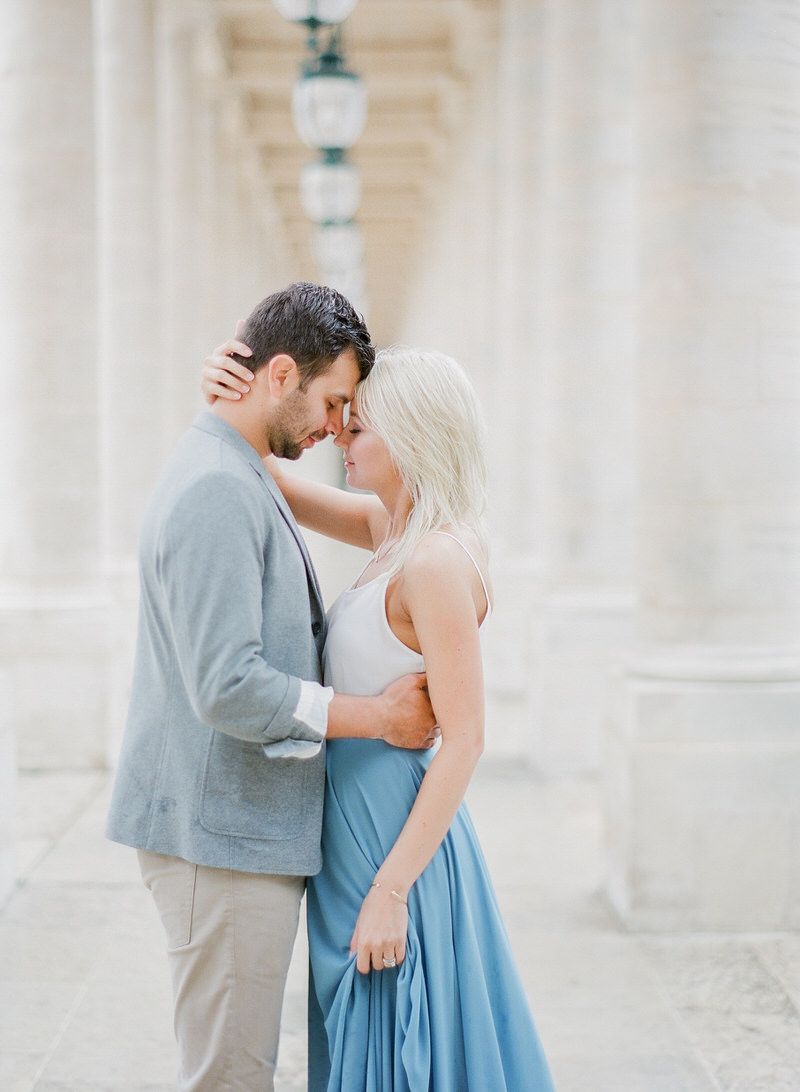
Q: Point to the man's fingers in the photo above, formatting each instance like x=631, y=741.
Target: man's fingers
x=240, y=324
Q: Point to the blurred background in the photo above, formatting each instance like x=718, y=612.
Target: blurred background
x=594, y=205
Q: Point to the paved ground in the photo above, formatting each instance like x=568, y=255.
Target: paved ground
x=84, y=996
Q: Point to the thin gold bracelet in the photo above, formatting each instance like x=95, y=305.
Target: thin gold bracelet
x=397, y=895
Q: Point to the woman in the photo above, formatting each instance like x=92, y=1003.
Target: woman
x=413, y=985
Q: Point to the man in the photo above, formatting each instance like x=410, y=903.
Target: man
x=220, y=779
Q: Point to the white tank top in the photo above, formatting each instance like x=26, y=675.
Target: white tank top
x=362, y=654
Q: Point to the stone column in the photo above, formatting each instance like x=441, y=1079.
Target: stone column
x=182, y=152
x=54, y=604
x=8, y=788
x=513, y=364
x=704, y=758
x=132, y=370
x=583, y=457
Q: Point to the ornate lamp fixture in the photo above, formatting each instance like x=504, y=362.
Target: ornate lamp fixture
x=315, y=13
x=329, y=107
x=330, y=188
x=329, y=104
x=338, y=246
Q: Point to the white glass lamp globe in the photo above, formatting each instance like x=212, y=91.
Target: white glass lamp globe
x=329, y=108
x=337, y=246
x=330, y=191
x=316, y=11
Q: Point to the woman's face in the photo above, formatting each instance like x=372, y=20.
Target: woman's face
x=366, y=459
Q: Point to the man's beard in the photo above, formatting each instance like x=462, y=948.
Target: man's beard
x=289, y=420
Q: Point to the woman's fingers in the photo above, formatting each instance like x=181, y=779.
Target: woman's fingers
x=371, y=957
x=226, y=363
x=219, y=390
x=220, y=382
x=227, y=376
x=233, y=346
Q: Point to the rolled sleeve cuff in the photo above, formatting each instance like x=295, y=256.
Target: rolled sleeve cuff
x=312, y=713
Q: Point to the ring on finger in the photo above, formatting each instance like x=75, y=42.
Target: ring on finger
x=389, y=961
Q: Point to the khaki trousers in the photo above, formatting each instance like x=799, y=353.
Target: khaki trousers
x=229, y=942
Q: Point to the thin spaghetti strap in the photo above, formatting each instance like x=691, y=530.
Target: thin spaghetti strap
x=355, y=584
x=474, y=562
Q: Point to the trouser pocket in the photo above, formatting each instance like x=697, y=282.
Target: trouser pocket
x=172, y=882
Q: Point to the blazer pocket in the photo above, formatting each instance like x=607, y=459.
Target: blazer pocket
x=247, y=795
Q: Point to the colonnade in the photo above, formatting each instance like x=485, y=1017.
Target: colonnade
x=614, y=254
x=643, y=430
x=131, y=235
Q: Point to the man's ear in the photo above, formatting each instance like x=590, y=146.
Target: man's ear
x=282, y=375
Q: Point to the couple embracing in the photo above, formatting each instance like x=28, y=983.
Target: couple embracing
x=270, y=749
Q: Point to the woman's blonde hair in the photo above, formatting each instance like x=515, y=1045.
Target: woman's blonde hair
x=426, y=411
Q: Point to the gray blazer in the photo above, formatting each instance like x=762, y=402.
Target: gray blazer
x=230, y=620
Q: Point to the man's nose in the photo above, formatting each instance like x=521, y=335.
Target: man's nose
x=335, y=422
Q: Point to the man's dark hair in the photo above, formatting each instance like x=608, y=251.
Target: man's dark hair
x=313, y=324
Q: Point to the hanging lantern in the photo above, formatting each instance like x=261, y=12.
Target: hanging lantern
x=329, y=104
x=330, y=189
x=315, y=12
x=338, y=246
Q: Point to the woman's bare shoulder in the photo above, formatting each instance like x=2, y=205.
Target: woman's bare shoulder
x=441, y=560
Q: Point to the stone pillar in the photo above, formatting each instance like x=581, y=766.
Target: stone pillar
x=704, y=756
x=8, y=787
x=513, y=365
x=54, y=605
x=132, y=370
x=182, y=151
x=583, y=456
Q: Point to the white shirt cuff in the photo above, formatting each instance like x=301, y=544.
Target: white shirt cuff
x=312, y=713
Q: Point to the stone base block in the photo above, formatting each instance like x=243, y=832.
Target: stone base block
x=702, y=804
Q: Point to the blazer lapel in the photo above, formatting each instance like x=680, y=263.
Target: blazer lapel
x=210, y=422
x=286, y=512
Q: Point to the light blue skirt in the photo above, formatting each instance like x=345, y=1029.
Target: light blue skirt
x=453, y=1017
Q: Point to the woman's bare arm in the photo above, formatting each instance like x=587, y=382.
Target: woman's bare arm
x=354, y=518
x=437, y=592
x=349, y=517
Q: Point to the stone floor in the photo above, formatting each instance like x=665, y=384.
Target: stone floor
x=84, y=996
